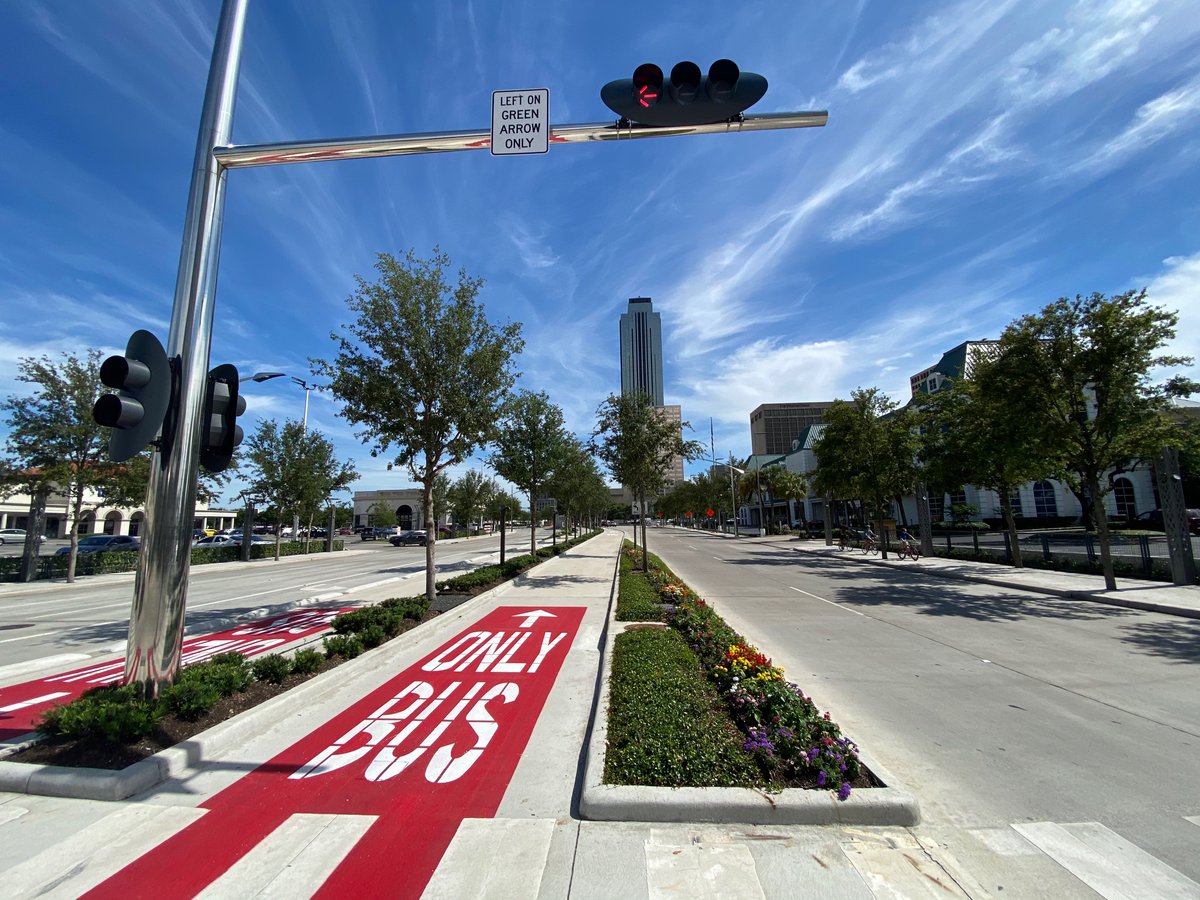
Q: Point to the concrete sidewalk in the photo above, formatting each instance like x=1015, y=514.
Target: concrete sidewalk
x=535, y=845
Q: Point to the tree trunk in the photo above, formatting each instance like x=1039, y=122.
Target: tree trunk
x=533, y=521
x=1010, y=524
x=37, y=524
x=431, y=530
x=1101, y=517
x=642, y=522
x=883, y=544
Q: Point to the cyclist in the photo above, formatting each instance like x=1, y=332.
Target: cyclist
x=906, y=540
x=869, y=541
x=843, y=537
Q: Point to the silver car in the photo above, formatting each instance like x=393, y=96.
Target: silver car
x=14, y=536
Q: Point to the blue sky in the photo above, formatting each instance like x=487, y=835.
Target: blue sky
x=981, y=159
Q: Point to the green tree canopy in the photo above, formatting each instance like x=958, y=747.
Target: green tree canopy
x=421, y=371
x=530, y=445
x=1085, y=365
x=866, y=452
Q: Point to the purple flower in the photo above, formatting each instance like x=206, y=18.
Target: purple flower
x=814, y=753
x=821, y=778
x=844, y=790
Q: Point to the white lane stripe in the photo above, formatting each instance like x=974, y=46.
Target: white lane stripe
x=823, y=600
x=74, y=866
x=1107, y=863
x=701, y=871
x=1195, y=820
x=34, y=702
x=493, y=858
x=45, y=662
x=293, y=860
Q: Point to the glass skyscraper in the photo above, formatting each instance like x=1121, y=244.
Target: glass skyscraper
x=641, y=350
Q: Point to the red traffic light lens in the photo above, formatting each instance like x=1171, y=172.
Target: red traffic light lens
x=647, y=84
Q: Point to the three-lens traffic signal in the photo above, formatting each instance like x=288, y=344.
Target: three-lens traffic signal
x=143, y=385
x=687, y=98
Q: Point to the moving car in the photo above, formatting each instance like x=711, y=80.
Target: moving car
x=14, y=536
x=408, y=539
x=217, y=540
x=102, y=543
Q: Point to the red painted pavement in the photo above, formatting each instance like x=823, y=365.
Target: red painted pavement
x=22, y=705
x=436, y=744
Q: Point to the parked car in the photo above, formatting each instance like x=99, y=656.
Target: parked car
x=374, y=534
x=102, y=543
x=15, y=536
x=217, y=540
x=345, y=529
x=1153, y=520
x=254, y=539
x=408, y=539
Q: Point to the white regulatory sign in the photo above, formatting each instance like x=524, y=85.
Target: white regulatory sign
x=520, y=121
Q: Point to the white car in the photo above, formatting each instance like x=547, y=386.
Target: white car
x=216, y=540
x=14, y=536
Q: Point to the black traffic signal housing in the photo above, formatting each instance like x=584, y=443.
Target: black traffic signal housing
x=687, y=97
x=143, y=382
x=220, y=432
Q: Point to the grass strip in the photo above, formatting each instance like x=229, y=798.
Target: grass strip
x=637, y=599
x=666, y=725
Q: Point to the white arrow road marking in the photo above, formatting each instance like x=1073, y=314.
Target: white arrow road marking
x=36, y=700
x=533, y=616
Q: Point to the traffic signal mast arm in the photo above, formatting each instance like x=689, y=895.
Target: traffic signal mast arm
x=251, y=155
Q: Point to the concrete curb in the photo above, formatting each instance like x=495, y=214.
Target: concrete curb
x=634, y=803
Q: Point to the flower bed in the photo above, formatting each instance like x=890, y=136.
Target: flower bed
x=793, y=742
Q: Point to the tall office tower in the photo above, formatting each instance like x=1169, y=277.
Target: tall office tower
x=641, y=350
x=773, y=426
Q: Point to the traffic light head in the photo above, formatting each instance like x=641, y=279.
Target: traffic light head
x=222, y=405
x=687, y=98
x=142, y=380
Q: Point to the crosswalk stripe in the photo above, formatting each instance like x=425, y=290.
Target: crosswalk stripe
x=85, y=859
x=1107, y=863
x=294, y=860
x=493, y=858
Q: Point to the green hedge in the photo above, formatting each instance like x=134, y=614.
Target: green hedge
x=637, y=599
x=666, y=724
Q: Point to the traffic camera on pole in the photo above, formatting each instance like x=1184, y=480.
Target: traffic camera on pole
x=687, y=98
x=222, y=405
x=142, y=381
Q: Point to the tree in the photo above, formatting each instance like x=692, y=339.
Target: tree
x=577, y=482
x=529, y=447
x=381, y=515
x=1084, y=366
x=866, y=452
x=422, y=371
x=469, y=496
x=968, y=436
x=784, y=484
x=54, y=444
x=294, y=470
x=638, y=446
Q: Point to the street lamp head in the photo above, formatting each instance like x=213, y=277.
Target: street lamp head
x=260, y=377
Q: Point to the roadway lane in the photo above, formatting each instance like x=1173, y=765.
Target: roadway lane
x=995, y=707
x=46, y=626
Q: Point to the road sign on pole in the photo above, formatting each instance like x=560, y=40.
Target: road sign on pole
x=520, y=122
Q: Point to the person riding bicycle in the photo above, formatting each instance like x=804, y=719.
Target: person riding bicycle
x=905, y=539
x=869, y=539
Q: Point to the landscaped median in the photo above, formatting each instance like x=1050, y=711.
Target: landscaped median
x=696, y=725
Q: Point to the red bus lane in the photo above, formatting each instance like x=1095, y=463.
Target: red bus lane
x=22, y=705
x=437, y=743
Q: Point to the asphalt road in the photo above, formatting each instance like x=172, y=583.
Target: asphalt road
x=45, y=625
x=994, y=707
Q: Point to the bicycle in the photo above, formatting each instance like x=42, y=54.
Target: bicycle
x=870, y=545
x=910, y=550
